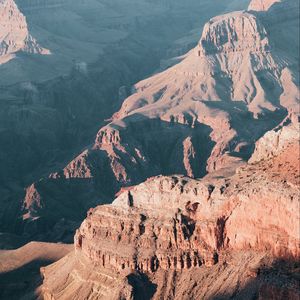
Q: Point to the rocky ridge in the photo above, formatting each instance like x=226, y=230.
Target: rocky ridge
x=182, y=226
x=232, y=234
x=14, y=33
x=198, y=116
x=51, y=121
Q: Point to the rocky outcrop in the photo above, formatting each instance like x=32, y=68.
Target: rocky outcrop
x=181, y=223
x=239, y=31
x=224, y=82
x=14, y=34
x=236, y=72
x=233, y=233
x=278, y=139
x=147, y=242
x=199, y=116
x=261, y=5
x=176, y=224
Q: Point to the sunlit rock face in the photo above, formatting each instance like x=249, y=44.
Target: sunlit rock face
x=199, y=116
x=261, y=5
x=183, y=223
x=200, y=230
x=238, y=31
x=14, y=34
x=229, y=108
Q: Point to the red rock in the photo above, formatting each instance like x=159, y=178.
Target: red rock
x=169, y=224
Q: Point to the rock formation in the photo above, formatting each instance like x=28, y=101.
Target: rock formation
x=276, y=140
x=235, y=32
x=261, y=5
x=199, y=116
x=226, y=118
x=51, y=106
x=14, y=34
x=171, y=237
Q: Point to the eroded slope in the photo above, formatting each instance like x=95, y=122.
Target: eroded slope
x=180, y=238
x=199, y=116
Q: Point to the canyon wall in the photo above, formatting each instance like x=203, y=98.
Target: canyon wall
x=201, y=115
x=246, y=225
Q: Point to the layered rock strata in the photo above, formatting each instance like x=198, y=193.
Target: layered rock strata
x=185, y=227
x=198, y=116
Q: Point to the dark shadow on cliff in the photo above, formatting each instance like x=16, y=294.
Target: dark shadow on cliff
x=163, y=143
x=146, y=148
x=143, y=288
x=60, y=200
x=248, y=128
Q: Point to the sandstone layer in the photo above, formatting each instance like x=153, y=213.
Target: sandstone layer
x=181, y=238
x=51, y=106
x=199, y=116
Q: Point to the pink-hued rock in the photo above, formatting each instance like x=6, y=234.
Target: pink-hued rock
x=276, y=140
x=261, y=5
x=239, y=31
x=32, y=199
x=255, y=209
x=220, y=72
x=169, y=224
x=14, y=33
x=199, y=116
x=232, y=234
x=178, y=224
x=234, y=62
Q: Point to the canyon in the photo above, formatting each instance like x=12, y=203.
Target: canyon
x=190, y=186
x=232, y=237
x=53, y=105
x=201, y=115
x=233, y=234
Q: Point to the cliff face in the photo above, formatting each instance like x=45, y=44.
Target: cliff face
x=14, y=34
x=199, y=116
x=170, y=214
x=46, y=120
x=156, y=235
x=240, y=31
x=229, y=109
x=277, y=140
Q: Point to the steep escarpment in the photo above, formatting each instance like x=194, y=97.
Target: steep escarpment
x=276, y=140
x=98, y=54
x=14, y=34
x=180, y=238
x=199, y=116
x=238, y=31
